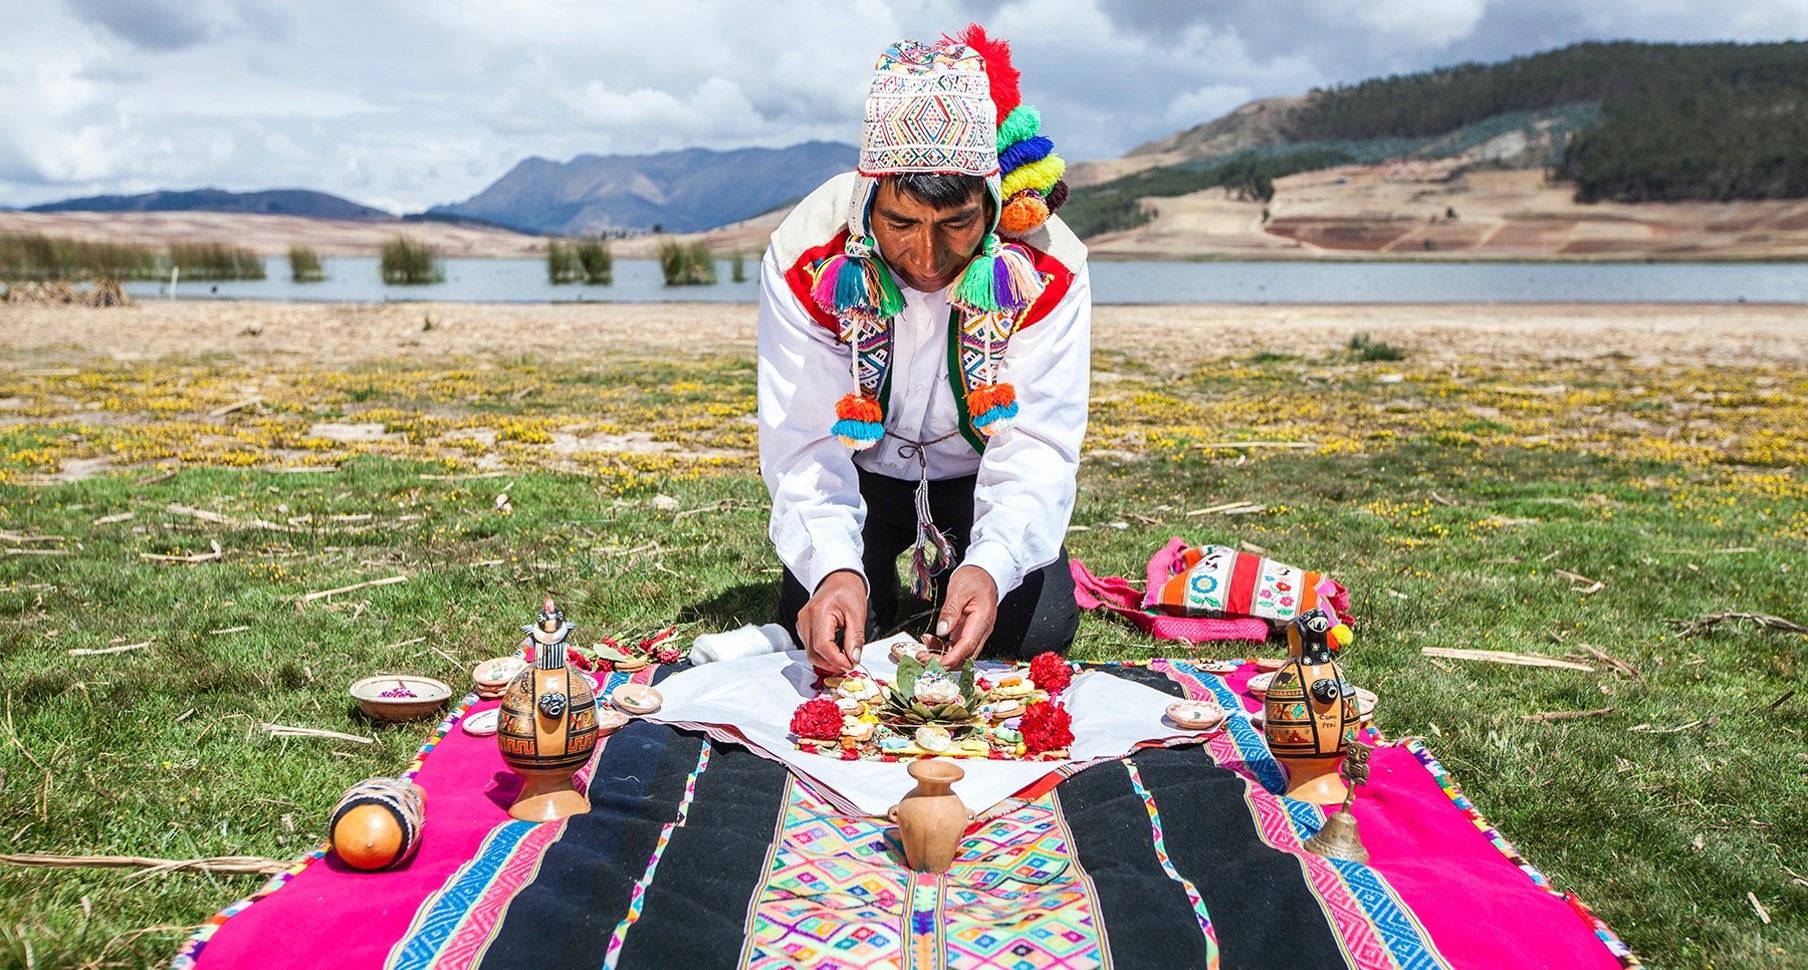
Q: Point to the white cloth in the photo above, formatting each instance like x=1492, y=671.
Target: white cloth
x=1025, y=491
x=756, y=697
x=748, y=641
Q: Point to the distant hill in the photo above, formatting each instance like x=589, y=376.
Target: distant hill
x=275, y=202
x=1623, y=121
x=683, y=191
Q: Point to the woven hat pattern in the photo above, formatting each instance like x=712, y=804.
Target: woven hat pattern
x=929, y=109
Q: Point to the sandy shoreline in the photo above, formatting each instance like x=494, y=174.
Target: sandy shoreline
x=1164, y=335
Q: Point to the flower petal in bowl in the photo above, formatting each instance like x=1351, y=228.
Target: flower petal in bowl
x=399, y=697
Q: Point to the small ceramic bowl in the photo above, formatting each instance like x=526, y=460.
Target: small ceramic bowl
x=1220, y=666
x=483, y=723
x=1365, y=703
x=494, y=675
x=1197, y=715
x=409, y=696
x=609, y=721
x=1270, y=663
x=1258, y=685
x=636, y=699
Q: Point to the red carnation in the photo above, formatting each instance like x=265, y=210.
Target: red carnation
x=1046, y=726
x=576, y=659
x=1051, y=672
x=817, y=718
x=669, y=655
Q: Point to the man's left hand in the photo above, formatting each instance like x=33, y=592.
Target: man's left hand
x=968, y=613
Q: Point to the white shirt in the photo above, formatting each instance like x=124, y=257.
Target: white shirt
x=1025, y=490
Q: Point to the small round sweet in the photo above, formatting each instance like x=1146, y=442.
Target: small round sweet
x=853, y=727
x=1007, y=707
x=482, y=724
x=933, y=739
x=630, y=665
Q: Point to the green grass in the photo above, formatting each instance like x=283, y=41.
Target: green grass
x=35, y=256
x=304, y=265
x=410, y=262
x=1441, y=544
x=686, y=264
x=561, y=262
x=597, y=263
x=1366, y=349
x=215, y=261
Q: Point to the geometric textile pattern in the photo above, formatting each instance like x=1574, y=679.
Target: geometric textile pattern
x=929, y=109
x=1376, y=928
x=838, y=895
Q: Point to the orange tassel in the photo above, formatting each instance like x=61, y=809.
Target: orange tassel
x=855, y=408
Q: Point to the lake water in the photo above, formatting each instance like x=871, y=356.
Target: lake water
x=638, y=281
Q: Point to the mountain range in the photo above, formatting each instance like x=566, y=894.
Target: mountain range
x=682, y=191
x=275, y=202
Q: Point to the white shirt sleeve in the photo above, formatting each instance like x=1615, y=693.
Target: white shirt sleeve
x=817, y=511
x=1025, y=494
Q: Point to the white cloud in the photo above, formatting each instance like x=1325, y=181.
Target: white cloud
x=409, y=105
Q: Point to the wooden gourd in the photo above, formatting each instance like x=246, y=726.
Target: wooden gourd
x=1309, y=714
x=377, y=823
x=548, y=728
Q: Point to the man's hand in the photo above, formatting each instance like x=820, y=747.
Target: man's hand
x=968, y=613
x=837, y=607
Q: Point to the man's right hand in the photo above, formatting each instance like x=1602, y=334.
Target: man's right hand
x=837, y=607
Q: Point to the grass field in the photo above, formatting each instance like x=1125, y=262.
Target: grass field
x=1538, y=508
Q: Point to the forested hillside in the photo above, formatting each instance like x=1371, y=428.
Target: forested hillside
x=1624, y=121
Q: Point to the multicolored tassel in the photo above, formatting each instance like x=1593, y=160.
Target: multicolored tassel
x=861, y=423
x=853, y=285
x=1001, y=279
x=933, y=553
x=993, y=407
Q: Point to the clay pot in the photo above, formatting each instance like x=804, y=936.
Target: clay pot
x=377, y=823
x=1309, y=714
x=931, y=820
x=547, y=731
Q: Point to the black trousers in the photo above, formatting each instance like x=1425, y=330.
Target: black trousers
x=1038, y=616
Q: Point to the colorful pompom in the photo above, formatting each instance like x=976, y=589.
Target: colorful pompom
x=1001, y=76
x=992, y=407
x=1024, y=214
x=1057, y=196
x=861, y=422
x=1040, y=175
x=1019, y=125
x=1024, y=152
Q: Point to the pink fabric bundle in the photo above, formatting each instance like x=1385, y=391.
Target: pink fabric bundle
x=1176, y=577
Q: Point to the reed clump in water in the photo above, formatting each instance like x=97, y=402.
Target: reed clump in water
x=686, y=264
x=214, y=261
x=35, y=256
x=304, y=265
x=597, y=262
x=737, y=267
x=561, y=262
x=410, y=262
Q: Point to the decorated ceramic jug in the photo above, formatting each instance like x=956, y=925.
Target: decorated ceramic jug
x=548, y=728
x=1310, y=711
x=931, y=819
x=377, y=823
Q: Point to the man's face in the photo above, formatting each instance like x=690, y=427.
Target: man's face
x=926, y=247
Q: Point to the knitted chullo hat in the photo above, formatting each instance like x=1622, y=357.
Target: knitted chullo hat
x=948, y=108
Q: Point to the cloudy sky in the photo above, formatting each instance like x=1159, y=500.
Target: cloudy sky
x=403, y=104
